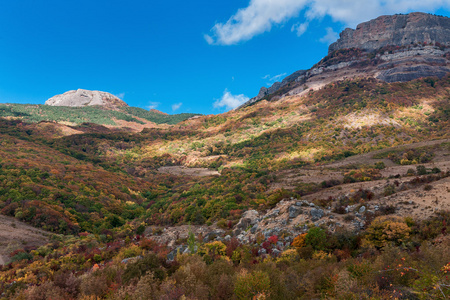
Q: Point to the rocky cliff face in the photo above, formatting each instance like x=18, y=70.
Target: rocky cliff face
x=395, y=48
x=398, y=30
x=82, y=97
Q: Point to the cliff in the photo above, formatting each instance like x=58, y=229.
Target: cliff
x=398, y=30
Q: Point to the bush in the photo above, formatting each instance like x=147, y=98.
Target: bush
x=139, y=268
x=421, y=170
x=21, y=256
x=316, y=238
x=254, y=285
x=387, y=229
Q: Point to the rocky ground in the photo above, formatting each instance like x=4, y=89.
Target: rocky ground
x=350, y=206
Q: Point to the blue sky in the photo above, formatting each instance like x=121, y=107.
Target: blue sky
x=198, y=56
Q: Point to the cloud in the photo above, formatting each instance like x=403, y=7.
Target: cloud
x=330, y=37
x=176, y=106
x=261, y=15
x=152, y=105
x=230, y=101
x=255, y=19
x=120, y=95
x=272, y=79
x=300, y=28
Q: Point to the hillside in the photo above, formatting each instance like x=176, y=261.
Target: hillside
x=334, y=184
x=132, y=117
x=397, y=48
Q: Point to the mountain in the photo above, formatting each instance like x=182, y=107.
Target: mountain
x=395, y=48
x=396, y=30
x=334, y=185
x=77, y=107
x=81, y=98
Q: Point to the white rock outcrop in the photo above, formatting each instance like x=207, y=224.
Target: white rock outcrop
x=82, y=97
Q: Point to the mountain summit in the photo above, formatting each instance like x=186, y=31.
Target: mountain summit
x=80, y=98
x=396, y=48
x=398, y=30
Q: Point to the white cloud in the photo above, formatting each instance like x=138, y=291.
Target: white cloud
x=261, y=15
x=300, y=28
x=176, y=106
x=330, y=37
x=230, y=101
x=255, y=19
x=153, y=105
x=120, y=95
x=272, y=79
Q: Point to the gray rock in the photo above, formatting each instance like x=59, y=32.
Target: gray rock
x=227, y=238
x=362, y=209
x=316, y=213
x=294, y=211
x=254, y=229
x=276, y=252
x=262, y=251
x=399, y=30
x=172, y=255
x=273, y=214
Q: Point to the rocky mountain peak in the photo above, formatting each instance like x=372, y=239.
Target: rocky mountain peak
x=394, y=48
x=397, y=30
x=80, y=98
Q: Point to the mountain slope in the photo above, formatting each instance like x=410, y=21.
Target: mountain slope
x=396, y=48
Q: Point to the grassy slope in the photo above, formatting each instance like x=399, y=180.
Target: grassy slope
x=89, y=114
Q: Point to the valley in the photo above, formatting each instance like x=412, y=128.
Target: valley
x=332, y=184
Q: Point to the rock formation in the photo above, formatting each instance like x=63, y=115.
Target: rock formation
x=82, y=97
x=398, y=30
x=394, y=48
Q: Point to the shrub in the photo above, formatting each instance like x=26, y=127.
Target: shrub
x=387, y=229
x=254, y=285
x=389, y=190
x=299, y=241
x=139, y=268
x=21, y=256
x=421, y=170
x=289, y=255
x=316, y=238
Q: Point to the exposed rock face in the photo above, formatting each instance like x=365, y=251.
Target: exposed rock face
x=82, y=97
x=398, y=30
x=407, y=47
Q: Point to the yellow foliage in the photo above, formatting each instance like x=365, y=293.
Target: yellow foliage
x=387, y=229
x=299, y=241
x=213, y=248
x=289, y=255
x=321, y=255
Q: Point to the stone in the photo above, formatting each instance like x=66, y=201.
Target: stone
x=254, y=229
x=273, y=214
x=316, y=213
x=262, y=251
x=362, y=209
x=180, y=249
x=294, y=211
x=80, y=98
x=276, y=252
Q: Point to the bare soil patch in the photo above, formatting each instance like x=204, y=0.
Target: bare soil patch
x=182, y=170
x=16, y=235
